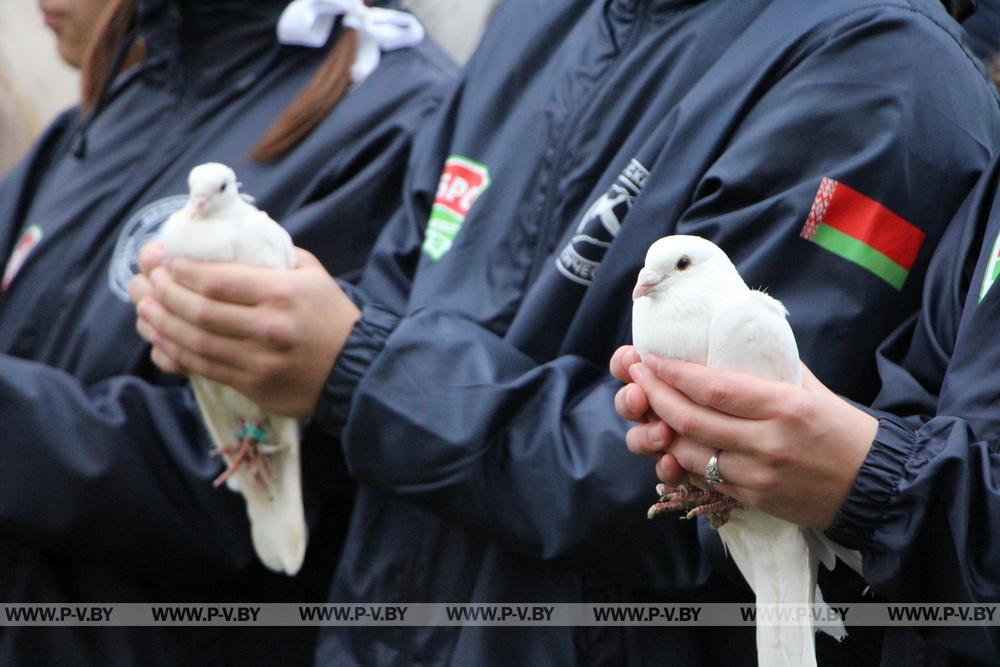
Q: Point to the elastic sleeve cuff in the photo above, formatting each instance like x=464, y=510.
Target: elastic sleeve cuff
x=875, y=485
x=364, y=344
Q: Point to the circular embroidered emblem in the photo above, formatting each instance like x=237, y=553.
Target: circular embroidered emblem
x=140, y=229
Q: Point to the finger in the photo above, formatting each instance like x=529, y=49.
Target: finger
x=167, y=354
x=146, y=331
x=669, y=470
x=631, y=403
x=139, y=287
x=648, y=439
x=693, y=457
x=810, y=381
x=163, y=362
x=735, y=394
x=305, y=259
x=219, y=317
x=151, y=256
x=180, y=333
x=623, y=357
x=688, y=418
x=233, y=283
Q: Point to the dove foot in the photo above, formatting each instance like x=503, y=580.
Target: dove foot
x=694, y=502
x=251, y=452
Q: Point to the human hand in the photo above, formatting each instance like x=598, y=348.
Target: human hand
x=151, y=256
x=272, y=335
x=792, y=451
x=652, y=438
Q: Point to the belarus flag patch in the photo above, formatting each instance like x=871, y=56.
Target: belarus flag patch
x=861, y=230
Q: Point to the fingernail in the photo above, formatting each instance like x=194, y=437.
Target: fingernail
x=143, y=309
x=658, y=434
x=654, y=362
x=636, y=371
x=629, y=394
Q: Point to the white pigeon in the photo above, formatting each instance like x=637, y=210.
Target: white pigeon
x=690, y=303
x=261, y=449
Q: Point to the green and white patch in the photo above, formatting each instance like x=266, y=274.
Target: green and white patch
x=462, y=181
x=992, y=270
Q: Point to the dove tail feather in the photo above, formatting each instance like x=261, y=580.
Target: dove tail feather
x=108, y=52
x=774, y=557
x=276, y=512
x=277, y=517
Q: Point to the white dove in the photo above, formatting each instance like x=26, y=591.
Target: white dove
x=690, y=303
x=261, y=449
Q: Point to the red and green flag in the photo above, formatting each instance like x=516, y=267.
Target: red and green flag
x=861, y=230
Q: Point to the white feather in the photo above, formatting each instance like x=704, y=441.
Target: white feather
x=691, y=304
x=219, y=225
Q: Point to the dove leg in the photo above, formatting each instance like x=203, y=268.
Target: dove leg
x=253, y=451
x=694, y=502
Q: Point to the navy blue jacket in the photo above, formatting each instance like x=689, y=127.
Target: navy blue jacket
x=925, y=506
x=105, y=474
x=473, y=396
x=983, y=28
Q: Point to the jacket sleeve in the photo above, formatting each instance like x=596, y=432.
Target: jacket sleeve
x=923, y=513
x=927, y=498
x=135, y=487
x=445, y=413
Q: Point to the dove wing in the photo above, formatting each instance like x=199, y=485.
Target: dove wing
x=263, y=242
x=750, y=334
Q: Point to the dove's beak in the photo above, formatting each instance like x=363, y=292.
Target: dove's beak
x=197, y=206
x=648, y=279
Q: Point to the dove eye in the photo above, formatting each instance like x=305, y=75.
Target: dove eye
x=222, y=188
x=683, y=263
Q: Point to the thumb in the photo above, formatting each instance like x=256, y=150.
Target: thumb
x=305, y=259
x=152, y=255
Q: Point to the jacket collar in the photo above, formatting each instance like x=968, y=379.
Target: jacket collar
x=217, y=39
x=959, y=9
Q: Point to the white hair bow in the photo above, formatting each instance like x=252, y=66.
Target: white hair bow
x=309, y=23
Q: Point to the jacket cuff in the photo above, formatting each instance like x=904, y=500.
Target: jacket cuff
x=364, y=344
x=875, y=486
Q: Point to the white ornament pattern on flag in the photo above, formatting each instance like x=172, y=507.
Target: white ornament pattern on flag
x=827, y=188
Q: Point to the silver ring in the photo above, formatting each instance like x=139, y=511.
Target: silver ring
x=712, y=475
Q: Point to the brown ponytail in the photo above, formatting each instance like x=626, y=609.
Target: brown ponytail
x=109, y=33
x=311, y=106
x=316, y=100
x=993, y=69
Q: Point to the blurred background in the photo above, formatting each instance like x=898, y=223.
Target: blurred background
x=34, y=83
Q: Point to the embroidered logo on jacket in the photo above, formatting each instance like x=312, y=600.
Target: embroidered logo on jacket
x=140, y=229
x=582, y=256
x=861, y=230
x=992, y=270
x=29, y=239
x=462, y=181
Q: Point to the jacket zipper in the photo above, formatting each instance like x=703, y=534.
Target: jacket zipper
x=551, y=227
